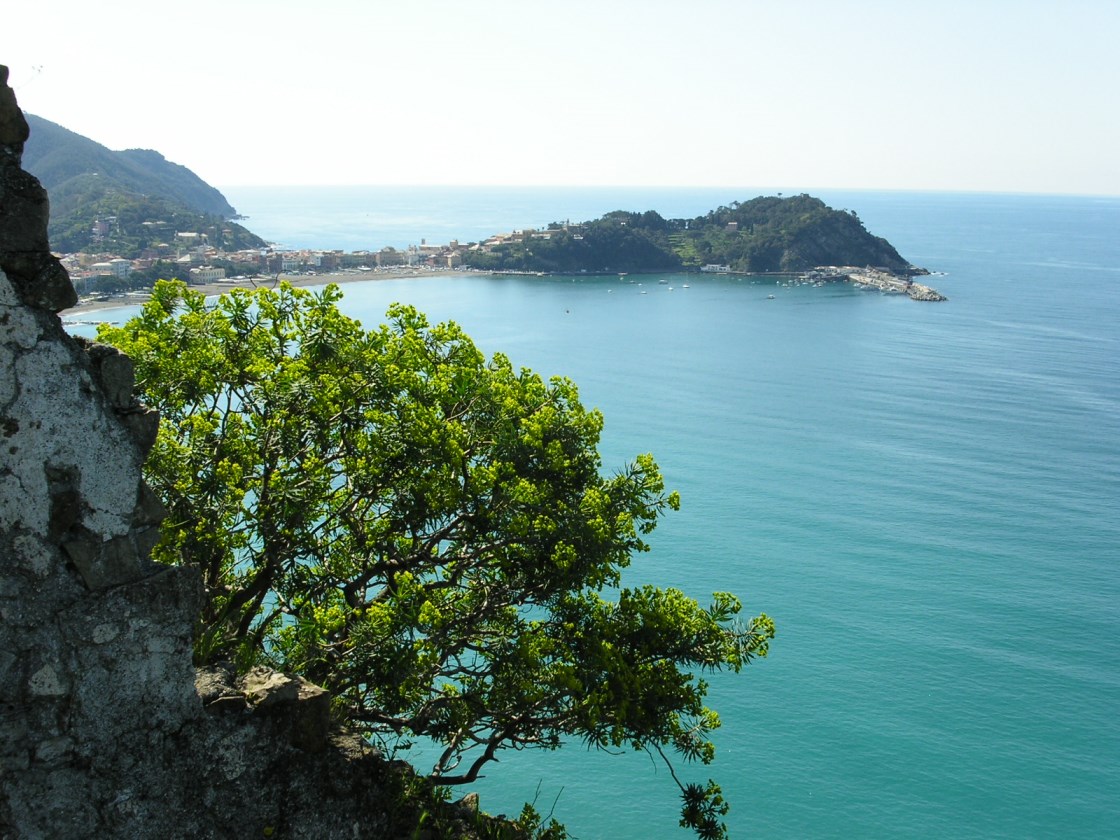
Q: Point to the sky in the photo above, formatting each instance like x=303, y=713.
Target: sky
x=978, y=95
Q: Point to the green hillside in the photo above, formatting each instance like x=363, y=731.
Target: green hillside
x=143, y=198
x=765, y=234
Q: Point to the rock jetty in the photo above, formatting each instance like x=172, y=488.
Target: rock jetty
x=876, y=278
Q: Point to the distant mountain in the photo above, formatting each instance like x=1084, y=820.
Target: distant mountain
x=765, y=234
x=139, y=193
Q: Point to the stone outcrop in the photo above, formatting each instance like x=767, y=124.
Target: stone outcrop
x=38, y=278
x=106, y=728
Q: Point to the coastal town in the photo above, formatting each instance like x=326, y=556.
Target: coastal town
x=196, y=261
x=193, y=257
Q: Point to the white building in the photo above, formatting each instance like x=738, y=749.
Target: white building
x=206, y=274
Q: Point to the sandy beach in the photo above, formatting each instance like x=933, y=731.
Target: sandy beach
x=91, y=304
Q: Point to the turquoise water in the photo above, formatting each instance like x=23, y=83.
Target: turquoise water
x=926, y=497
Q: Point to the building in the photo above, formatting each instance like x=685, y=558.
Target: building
x=117, y=267
x=206, y=274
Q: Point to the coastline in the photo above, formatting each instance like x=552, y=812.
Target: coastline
x=884, y=281
x=302, y=280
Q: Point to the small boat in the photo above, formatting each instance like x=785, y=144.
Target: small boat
x=769, y=297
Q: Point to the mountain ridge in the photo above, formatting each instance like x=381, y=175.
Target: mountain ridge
x=87, y=181
x=54, y=154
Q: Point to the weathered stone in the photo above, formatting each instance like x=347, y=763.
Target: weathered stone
x=114, y=371
x=150, y=509
x=311, y=718
x=214, y=686
x=104, y=633
x=13, y=125
x=46, y=683
x=143, y=425
x=469, y=803
x=109, y=563
x=264, y=688
x=54, y=750
x=106, y=729
x=41, y=280
x=144, y=539
x=25, y=257
x=65, y=500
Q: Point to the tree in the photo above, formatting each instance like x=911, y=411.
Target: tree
x=424, y=532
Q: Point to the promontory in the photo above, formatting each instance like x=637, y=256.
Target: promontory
x=766, y=235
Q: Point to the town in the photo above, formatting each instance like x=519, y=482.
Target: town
x=192, y=257
x=619, y=242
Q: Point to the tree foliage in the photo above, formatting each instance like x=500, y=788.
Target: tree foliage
x=424, y=531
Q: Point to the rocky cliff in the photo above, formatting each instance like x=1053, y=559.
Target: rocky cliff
x=106, y=728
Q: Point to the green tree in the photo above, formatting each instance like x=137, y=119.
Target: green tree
x=425, y=532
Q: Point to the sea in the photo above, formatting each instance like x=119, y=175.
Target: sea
x=924, y=496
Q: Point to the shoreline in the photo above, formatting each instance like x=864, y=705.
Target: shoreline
x=885, y=281
x=213, y=289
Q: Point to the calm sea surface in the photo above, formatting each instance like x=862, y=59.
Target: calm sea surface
x=926, y=497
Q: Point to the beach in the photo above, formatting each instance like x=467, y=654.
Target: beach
x=114, y=301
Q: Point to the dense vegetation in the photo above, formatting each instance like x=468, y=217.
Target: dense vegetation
x=135, y=222
x=144, y=198
x=763, y=234
x=424, y=531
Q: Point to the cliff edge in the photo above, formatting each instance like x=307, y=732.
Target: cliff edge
x=107, y=728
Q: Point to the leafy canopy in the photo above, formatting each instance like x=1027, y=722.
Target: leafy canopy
x=423, y=531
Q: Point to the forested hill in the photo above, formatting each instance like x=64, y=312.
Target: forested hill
x=87, y=181
x=765, y=234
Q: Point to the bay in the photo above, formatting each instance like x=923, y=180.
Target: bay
x=926, y=498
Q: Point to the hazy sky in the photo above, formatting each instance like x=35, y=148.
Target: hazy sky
x=994, y=95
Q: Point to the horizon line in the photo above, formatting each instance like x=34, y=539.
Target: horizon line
x=784, y=192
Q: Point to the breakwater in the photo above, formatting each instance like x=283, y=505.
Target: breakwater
x=885, y=281
x=875, y=278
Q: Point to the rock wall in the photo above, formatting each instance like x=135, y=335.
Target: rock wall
x=106, y=728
